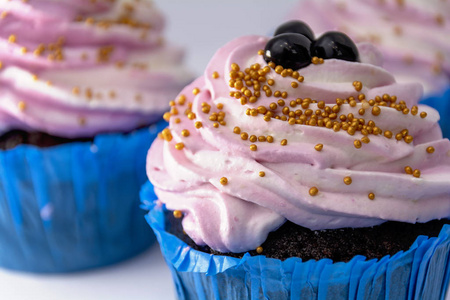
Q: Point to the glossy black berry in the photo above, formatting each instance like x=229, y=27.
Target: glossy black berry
x=296, y=27
x=290, y=50
x=337, y=45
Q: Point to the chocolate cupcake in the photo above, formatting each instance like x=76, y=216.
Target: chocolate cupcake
x=83, y=85
x=291, y=170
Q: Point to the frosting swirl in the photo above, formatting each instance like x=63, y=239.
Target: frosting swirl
x=413, y=35
x=338, y=144
x=78, y=68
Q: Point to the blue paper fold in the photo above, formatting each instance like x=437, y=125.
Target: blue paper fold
x=74, y=206
x=418, y=273
x=441, y=102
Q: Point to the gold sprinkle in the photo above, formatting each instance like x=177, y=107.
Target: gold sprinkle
x=283, y=142
x=23, y=50
x=166, y=134
x=237, y=130
x=179, y=146
x=198, y=124
x=439, y=19
x=357, y=144
x=388, y=134
x=22, y=105
x=195, y=91
x=244, y=136
x=3, y=14
x=269, y=139
x=167, y=116
x=408, y=170
x=318, y=147
x=215, y=75
x=253, y=147
x=376, y=111
x=423, y=115
x=358, y=85
x=12, y=38
x=408, y=139
x=262, y=174
x=181, y=99
x=430, y=149
x=416, y=173
x=315, y=60
x=259, y=250
x=82, y=121
x=177, y=214
x=223, y=181
x=191, y=116
x=371, y=196
x=313, y=191
x=365, y=140
x=348, y=180
x=185, y=133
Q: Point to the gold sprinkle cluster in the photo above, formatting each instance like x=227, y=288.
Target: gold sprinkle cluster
x=249, y=84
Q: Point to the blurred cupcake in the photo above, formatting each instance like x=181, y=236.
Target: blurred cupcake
x=81, y=84
x=414, y=37
x=293, y=152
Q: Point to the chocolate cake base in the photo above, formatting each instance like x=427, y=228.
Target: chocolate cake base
x=13, y=138
x=291, y=240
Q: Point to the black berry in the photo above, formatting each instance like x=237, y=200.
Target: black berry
x=337, y=45
x=290, y=50
x=296, y=27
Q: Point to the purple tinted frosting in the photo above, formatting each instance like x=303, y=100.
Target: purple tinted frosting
x=78, y=68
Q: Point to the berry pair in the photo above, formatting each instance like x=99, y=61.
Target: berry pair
x=293, y=46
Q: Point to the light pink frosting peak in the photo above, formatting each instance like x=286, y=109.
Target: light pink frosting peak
x=78, y=68
x=237, y=167
x=413, y=35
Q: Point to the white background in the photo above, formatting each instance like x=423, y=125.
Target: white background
x=201, y=27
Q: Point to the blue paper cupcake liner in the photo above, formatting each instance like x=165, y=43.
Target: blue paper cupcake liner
x=422, y=272
x=74, y=206
x=441, y=102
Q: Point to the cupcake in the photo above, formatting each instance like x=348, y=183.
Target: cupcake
x=414, y=37
x=83, y=85
x=291, y=171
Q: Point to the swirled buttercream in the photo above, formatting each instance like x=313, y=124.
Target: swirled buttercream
x=78, y=68
x=334, y=145
x=413, y=35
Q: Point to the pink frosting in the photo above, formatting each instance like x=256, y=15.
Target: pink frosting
x=413, y=35
x=239, y=215
x=77, y=68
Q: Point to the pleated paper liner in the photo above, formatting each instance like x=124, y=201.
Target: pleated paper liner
x=422, y=272
x=74, y=206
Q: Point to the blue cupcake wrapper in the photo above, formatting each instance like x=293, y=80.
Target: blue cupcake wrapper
x=74, y=206
x=422, y=272
x=441, y=102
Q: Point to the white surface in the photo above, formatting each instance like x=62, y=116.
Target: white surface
x=202, y=26
x=143, y=277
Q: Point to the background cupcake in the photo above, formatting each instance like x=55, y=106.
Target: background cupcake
x=85, y=78
x=414, y=37
x=326, y=142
